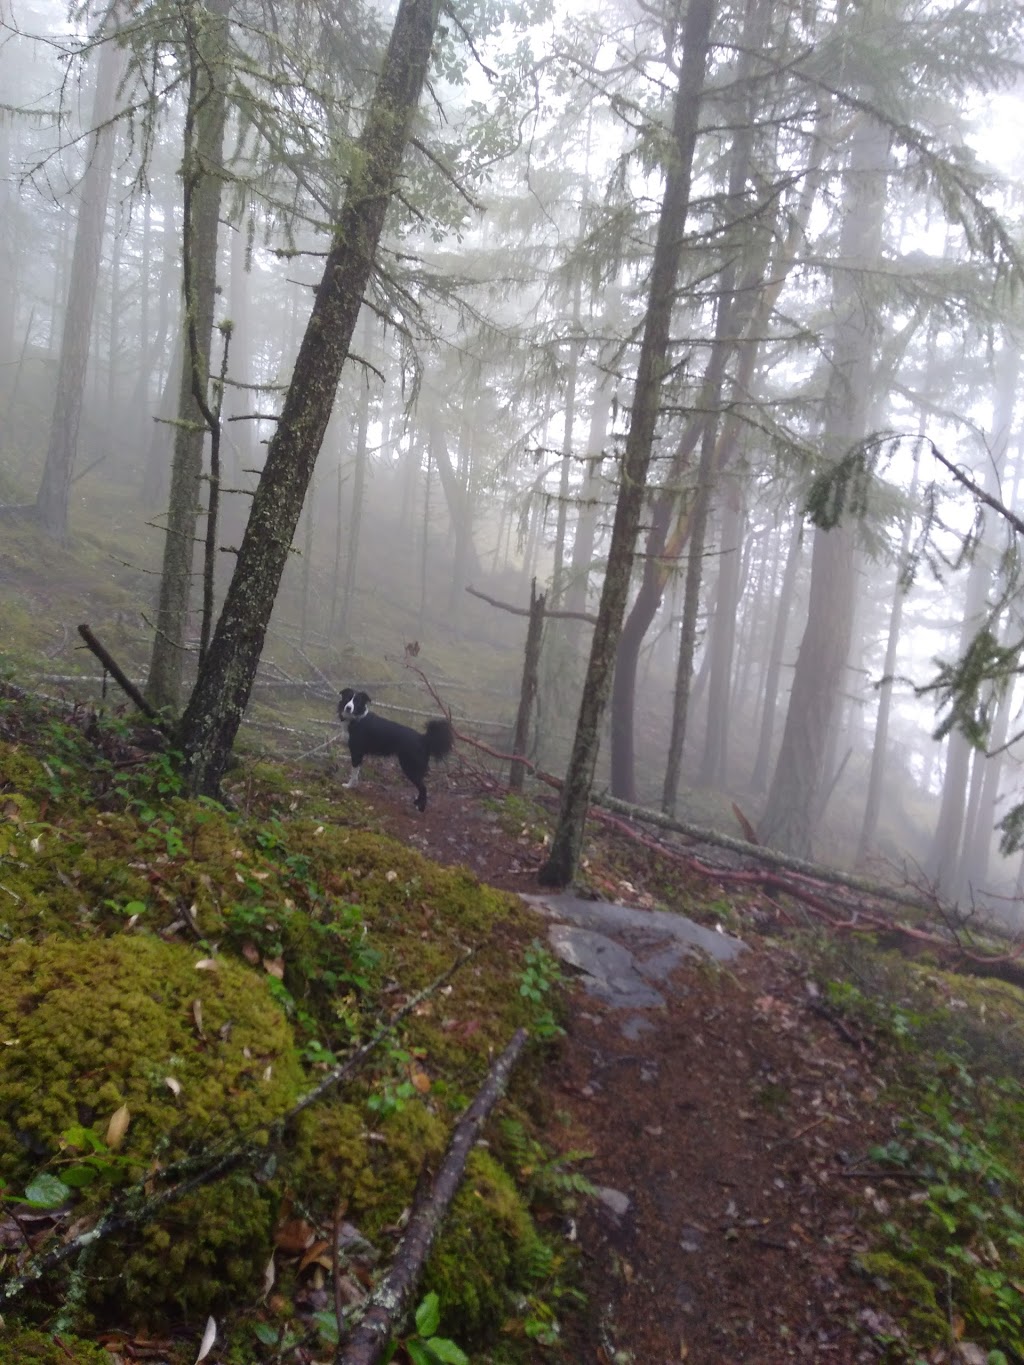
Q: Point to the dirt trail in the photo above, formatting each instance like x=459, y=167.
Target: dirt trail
x=728, y=1123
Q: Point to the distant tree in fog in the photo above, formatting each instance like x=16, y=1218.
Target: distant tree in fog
x=795, y=794
x=51, y=505
x=946, y=864
x=694, y=32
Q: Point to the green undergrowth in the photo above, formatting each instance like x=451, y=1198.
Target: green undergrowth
x=174, y=976
x=948, y=1245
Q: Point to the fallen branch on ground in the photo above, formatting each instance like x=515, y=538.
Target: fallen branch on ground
x=391, y=1301
x=121, y=678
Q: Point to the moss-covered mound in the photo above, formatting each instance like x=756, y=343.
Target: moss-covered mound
x=130, y=1027
x=26, y=1347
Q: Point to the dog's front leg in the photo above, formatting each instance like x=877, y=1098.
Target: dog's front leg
x=354, y=779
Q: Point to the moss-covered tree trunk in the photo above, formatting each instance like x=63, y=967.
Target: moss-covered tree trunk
x=210, y=723
x=654, y=358
x=207, y=28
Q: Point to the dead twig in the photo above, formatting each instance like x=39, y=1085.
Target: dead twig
x=389, y=1304
x=525, y=611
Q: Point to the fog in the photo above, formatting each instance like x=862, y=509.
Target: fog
x=848, y=299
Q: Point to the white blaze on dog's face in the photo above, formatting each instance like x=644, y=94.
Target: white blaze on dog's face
x=354, y=705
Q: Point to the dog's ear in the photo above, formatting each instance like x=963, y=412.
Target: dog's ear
x=363, y=699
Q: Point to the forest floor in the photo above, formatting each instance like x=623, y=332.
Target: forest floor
x=729, y=1127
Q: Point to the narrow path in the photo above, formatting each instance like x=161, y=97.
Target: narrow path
x=727, y=1118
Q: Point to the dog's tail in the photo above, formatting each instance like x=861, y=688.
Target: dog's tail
x=439, y=738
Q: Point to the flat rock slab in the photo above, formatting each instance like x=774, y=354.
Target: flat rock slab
x=609, y=970
x=625, y=953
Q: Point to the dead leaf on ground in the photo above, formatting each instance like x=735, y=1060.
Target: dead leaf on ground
x=209, y=1337
x=294, y=1235
x=318, y=1252
x=118, y=1127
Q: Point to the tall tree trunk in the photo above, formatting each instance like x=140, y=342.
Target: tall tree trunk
x=158, y=438
x=210, y=723
x=11, y=252
x=651, y=370
x=759, y=777
x=944, y=858
x=590, y=501
x=114, y=338
x=240, y=449
x=733, y=314
x=793, y=807
x=978, y=839
x=358, y=482
x=752, y=634
x=51, y=504
x=569, y=422
x=203, y=180
x=455, y=484
x=722, y=640
x=880, y=749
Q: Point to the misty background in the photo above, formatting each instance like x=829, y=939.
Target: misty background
x=850, y=283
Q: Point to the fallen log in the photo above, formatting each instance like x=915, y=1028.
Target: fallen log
x=391, y=1301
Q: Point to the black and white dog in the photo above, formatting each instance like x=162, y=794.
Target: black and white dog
x=368, y=734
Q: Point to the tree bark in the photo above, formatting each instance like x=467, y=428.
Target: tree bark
x=653, y=363
x=203, y=180
x=218, y=701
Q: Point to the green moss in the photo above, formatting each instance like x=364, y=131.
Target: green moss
x=91, y=1026
x=376, y=1177
x=489, y=1248
x=911, y=1292
x=358, y=922
x=24, y=1346
x=20, y=772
